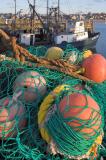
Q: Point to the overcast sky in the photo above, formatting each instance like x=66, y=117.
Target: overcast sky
x=67, y=6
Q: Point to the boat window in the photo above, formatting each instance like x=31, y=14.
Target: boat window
x=61, y=36
x=81, y=24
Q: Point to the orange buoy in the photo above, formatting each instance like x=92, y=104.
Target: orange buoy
x=32, y=84
x=73, y=108
x=95, y=68
x=11, y=117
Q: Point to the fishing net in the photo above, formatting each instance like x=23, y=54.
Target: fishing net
x=23, y=91
x=38, y=51
x=16, y=141
x=73, y=55
x=70, y=53
x=55, y=126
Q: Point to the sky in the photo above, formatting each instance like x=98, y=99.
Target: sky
x=67, y=6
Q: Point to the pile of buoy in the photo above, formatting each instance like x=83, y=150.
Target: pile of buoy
x=93, y=64
x=28, y=87
x=69, y=118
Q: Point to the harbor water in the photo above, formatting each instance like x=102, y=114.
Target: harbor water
x=101, y=44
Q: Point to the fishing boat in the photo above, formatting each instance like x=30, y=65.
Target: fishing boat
x=78, y=33
x=79, y=38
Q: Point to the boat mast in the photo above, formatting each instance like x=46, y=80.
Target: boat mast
x=15, y=12
x=47, y=14
x=58, y=10
x=31, y=7
x=58, y=16
x=33, y=16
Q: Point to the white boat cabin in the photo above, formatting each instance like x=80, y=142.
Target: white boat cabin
x=78, y=33
x=31, y=38
x=27, y=39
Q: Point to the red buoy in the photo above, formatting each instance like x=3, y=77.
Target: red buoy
x=95, y=68
x=73, y=108
x=11, y=117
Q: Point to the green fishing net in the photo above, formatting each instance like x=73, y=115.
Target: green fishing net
x=70, y=53
x=73, y=55
x=20, y=136
x=26, y=142
x=38, y=51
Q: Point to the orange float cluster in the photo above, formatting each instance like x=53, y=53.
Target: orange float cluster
x=27, y=88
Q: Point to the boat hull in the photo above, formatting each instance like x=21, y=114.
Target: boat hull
x=84, y=44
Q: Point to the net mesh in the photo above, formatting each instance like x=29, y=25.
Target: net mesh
x=74, y=143
x=73, y=55
x=38, y=51
x=20, y=136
